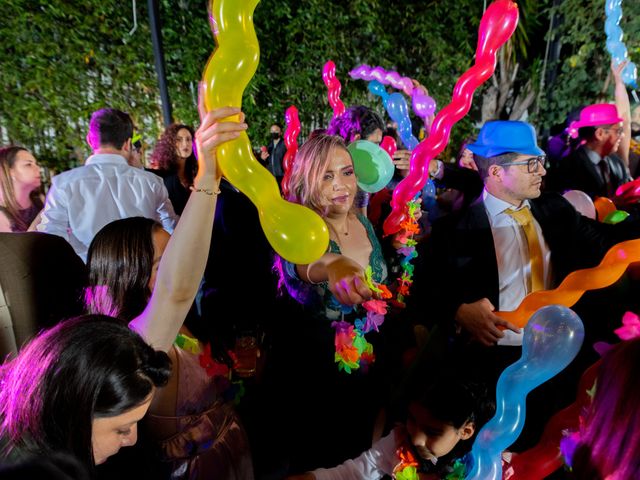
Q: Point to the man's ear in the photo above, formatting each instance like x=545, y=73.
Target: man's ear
x=467, y=431
x=599, y=134
x=495, y=171
x=355, y=136
x=127, y=146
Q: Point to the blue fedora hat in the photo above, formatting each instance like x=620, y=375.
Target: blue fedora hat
x=503, y=136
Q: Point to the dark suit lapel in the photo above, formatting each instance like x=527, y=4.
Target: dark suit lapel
x=591, y=169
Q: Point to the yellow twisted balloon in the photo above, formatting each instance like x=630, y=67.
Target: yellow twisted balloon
x=295, y=232
x=611, y=268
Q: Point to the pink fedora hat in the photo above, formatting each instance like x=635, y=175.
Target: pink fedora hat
x=594, y=115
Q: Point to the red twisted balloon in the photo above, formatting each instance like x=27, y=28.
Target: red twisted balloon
x=496, y=27
x=545, y=458
x=291, y=133
x=334, y=87
x=389, y=145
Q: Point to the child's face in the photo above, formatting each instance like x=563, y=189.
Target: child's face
x=432, y=437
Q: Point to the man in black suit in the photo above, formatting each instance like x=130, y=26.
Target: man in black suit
x=487, y=258
x=274, y=154
x=593, y=167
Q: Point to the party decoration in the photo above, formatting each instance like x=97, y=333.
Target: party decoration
x=423, y=105
x=389, y=145
x=496, y=27
x=295, y=232
x=372, y=165
x=407, y=466
x=551, y=340
x=545, y=458
x=334, y=88
x=616, y=217
x=630, y=327
x=291, y=132
x=396, y=107
x=581, y=202
x=615, y=47
x=604, y=206
x=610, y=269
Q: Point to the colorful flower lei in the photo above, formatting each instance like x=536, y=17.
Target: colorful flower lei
x=219, y=371
x=353, y=351
x=407, y=467
x=409, y=227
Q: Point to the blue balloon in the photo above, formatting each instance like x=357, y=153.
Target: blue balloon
x=615, y=47
x=397, y=108
x=552, y=339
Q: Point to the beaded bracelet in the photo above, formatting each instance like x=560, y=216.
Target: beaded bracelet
x=208, y=191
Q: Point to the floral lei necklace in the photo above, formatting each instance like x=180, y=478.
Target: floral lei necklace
x=353, y=351
x=221, y=372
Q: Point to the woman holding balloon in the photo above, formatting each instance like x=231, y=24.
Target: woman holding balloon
x=344, y=407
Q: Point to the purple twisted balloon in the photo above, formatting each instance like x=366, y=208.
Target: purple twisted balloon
x=423, y=104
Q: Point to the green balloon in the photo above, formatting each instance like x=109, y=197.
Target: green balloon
x=373, y=166
x=615, y=217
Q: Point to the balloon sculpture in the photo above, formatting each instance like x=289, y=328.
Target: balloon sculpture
x=611, y=268
x=334, y=88
x=396, y=107
x=551, y=340
x=545, y=458
x=291, y=133
x=295, y=232
x=497, y=25
x=423, y=104
x=617, y=49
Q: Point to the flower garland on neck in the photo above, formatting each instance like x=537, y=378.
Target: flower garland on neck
x=353, y=351
x=230, y=390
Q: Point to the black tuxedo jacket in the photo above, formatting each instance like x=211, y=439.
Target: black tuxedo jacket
x=577, y=172
x=458, y=264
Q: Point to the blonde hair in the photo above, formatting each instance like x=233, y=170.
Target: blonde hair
x=307, y=171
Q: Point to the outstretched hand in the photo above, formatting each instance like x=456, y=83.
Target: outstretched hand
x=346, y=281
x=213, y=132
x=478, y=319
x=617, y=70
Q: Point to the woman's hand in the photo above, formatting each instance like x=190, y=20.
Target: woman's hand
x=213, y=132
x=346, y=281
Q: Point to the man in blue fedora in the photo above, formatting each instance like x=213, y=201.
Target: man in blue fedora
x=511, y=241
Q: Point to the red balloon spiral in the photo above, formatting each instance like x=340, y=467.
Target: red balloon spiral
x=496, y=27
x=291, y=133
x=334, y=88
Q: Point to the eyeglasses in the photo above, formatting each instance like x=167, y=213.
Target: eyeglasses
x=618, y=130
x=533, y=163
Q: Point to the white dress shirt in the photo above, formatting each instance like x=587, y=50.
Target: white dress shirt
x=512, y=254
x=83, y=200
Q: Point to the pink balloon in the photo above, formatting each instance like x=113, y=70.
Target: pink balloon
x=423, y=104
x=496, y=27
x=291, y=133
x=334, y=88
x=581, y=202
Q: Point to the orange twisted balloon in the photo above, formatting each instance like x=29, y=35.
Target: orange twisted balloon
x=611, y=268
x=295, y=232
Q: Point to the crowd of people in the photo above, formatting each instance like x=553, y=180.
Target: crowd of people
x=165, y=322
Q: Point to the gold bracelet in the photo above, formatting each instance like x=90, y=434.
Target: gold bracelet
x=208, y=191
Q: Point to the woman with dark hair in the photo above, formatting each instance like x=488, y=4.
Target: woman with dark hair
x=610, y=434
x=139, y=273
x=175, y=159
x=79, y=388
x=20, y=201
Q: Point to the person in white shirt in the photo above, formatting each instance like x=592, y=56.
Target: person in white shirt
x=83, y=200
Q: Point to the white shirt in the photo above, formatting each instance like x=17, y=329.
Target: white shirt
x=512, y=254
x=375, y=463
x=83, y=200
